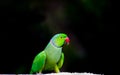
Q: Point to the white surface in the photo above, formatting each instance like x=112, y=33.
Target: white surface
x=74, y=73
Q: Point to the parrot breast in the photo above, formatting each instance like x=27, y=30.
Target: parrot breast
x=53, y=56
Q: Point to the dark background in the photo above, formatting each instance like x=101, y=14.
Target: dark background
x=27, y=26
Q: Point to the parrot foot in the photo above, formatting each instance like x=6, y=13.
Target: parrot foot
x=57, y=69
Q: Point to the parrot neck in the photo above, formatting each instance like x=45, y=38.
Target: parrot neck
x=52, y=43
x=53, y=46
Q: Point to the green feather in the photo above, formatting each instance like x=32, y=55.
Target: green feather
x=38, y=62
x=60, y=62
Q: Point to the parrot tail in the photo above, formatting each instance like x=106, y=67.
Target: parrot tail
x=31, y=72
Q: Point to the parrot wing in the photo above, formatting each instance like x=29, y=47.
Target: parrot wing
x=60, y=62
x=39, y=62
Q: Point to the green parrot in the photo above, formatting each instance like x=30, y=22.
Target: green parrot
x=52, y=57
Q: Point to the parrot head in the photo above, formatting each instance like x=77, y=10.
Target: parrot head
x=60, y=39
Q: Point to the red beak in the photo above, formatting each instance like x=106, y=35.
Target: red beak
x=67, y=40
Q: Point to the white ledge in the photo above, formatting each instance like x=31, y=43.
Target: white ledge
x=70, y=73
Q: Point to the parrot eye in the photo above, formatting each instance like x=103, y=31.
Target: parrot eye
x=61, y=37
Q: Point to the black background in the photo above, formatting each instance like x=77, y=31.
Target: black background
x=17, y=41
